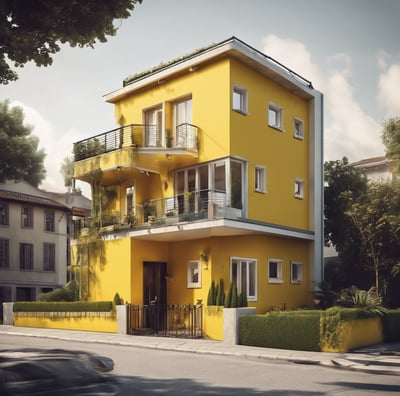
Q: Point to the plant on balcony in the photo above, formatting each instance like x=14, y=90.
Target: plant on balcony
x=168, y=138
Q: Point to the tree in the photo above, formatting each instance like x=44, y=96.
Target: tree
x=67, y=171
x=391, y=140
x=376, y=216
x=340, y=232
x=32, y=30
x=20, y=158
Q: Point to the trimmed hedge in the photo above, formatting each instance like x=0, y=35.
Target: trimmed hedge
x=297, y=330
x=391, y=325
x=77, y=306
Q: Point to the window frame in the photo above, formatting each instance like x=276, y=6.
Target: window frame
x=299, y=188
x=192, y=266
x=49, y=220
x=300, y=122
x=25, y=260
x=260, y=178
x=4, y=214
x=278, y=110
x=49, y=257
x=279, y=271
x=300, y=274
x=4, y=253
x=248, y=262
x=29, y=216
x=243, y=99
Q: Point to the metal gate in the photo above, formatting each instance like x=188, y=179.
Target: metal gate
x=164, y=320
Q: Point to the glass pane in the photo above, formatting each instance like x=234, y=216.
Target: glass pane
x=236, y=184
x=252, y=279
x=273, y=269
x=234, y=269
x=219, y=177
x=237, y=100
x=242, y=288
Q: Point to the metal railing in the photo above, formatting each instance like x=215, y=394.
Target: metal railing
x=164, y=320
x=135, y=135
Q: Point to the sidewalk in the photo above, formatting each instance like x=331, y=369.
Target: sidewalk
x=379, y=359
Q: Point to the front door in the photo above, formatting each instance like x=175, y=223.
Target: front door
x=155, y=294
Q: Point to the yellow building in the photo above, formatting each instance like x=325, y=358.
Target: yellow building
x=214, y=172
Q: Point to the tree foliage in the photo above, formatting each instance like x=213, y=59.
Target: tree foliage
x=20, y=158
x=376, y=216
x=32, y=30
x=67, y=171
x=391, y=140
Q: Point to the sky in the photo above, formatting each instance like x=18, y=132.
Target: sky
x=349, y=49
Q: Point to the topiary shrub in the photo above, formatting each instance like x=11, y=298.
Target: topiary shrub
x=70, y=292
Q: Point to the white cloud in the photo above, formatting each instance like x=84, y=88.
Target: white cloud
x=349, y=131
x=56, y=145
x=388, y=88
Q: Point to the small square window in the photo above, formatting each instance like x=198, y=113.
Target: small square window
x=27, y=217
x=239, y=99
x=296, y=272
x=4, y=214
x=275, y=271
x=299, y=188
x=260, y=179
x=49, y=217
x=298, y=128
x=193, y=274
x=275, y=116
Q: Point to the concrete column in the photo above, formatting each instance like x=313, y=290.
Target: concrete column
x=8, y=314
x=231, y=323
x=122, y=319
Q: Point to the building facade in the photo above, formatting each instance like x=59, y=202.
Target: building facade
x=214, y=172
x=33, y=242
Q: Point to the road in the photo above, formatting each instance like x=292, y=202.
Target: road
x=151, y=372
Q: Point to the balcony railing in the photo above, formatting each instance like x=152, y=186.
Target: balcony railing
x=136, y=135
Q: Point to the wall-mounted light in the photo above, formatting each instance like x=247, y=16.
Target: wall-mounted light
x=204, y=260
x=168, y=278
x=168, y=156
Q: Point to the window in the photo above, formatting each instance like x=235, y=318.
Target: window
x=260, y=179
x=4, y=220
x=49, y=257
x=26, y=256
x=298, y=128
x=4, y=253
x=182, y=124
x=193, y=274
x=153, y=127
x=299, y=188
x=244, y=273
x=27, y=217
x=275, y=271
x=296, y=272
x=49, y=220
x=239, y=99
x=275, y=118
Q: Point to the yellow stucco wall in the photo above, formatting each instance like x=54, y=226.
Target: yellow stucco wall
x=94, y=323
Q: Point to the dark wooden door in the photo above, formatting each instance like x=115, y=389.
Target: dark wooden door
x=155, y=294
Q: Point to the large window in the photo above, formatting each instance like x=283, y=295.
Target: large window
x=4, y=253
x=153, y=128
x=26, y=256
x=184, y=133
x=239, y=99
x=244, y=273
x=4, y=220
x=275, y=271
x=27, y=216
x=49, y=220
x=49, y=257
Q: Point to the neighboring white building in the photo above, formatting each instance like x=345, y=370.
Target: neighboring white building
x=33, y=242
x=376, y=168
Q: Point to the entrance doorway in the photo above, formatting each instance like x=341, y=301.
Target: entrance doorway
x=155, y=294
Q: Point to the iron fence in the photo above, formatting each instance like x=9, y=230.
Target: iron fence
x=174, y=320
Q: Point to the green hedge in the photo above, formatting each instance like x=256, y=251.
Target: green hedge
x=297, y=330
x=391, y=326
x=77, y=306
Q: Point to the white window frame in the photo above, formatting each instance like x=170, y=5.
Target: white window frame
x=279, y=270
x=298, y=128
x=300, y=271
x=247, y=262
x=260, y=175
x=243, y=99
x=278, y=111
x=193, y=269
x=299, y=188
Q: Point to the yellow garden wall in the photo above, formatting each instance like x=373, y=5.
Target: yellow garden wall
x=213, y=322
x=354, y=334
x=87, y=323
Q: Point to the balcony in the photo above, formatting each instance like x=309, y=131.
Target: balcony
x=141, y=137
